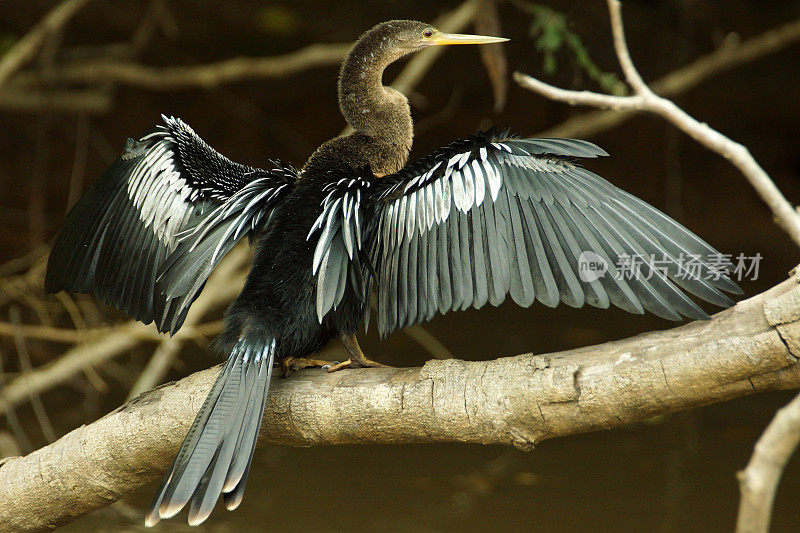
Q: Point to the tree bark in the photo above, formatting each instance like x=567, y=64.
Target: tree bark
x=520, y=400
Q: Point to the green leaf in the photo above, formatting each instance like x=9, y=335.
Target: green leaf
x=550, y=31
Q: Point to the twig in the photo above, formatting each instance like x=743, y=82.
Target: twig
x=100, y=345
x=759, y=480
x=24, y=97
x=117, y=340
x=13, y=420
x=487, y=22
x=25, y=368
x=157, y=366
x=621, y=48
x=512, y=400
x=42, y=153
x=72, y=310
x=13, y=266
x=9, y=446
x=444, y=115
x=645, y=99
x=27, y=47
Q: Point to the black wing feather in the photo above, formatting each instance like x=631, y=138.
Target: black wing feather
x=502, y=215
x=146, y=236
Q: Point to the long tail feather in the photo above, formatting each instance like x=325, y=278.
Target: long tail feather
x=216, y=454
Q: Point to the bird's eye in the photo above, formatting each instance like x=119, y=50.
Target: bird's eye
x=427, y=33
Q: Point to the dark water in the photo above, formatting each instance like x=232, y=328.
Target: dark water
x=676, y=473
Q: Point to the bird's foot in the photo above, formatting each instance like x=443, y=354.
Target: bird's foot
x=352, y=363
x=357, y=357
x=293, y=364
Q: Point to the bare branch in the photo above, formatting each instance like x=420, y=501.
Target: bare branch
x=759, y=480
x=27, y=47
x=621, y=47
x=515, y=400
x=606, y=101
x=25, y=366
x=206, y=76
x=731, y=53
x=645, y=100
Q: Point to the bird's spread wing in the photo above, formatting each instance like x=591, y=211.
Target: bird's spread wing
x=146, y=236
x=492, y=215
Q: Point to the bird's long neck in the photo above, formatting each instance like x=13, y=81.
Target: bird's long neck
x=379, y=112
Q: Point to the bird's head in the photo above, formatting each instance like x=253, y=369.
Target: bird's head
x=365, y=104
x=406, y=36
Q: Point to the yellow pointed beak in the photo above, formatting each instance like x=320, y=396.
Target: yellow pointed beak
x=461, y=38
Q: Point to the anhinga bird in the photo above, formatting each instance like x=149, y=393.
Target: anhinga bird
x=487, y=216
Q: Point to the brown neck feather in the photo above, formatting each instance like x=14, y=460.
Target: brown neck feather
x=368, y=106
x=379, y=115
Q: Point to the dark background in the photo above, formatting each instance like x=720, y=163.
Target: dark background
x=676, y=473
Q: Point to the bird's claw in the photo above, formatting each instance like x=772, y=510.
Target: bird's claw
x=355, y=363
x=293, y=364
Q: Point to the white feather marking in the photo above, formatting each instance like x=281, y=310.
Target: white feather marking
x=469, y=188
x=411, y=215
x=439, y=201
x=447, y=198
x=458, y=191
x=430, y=206
x=495, y=180
x=480, y=187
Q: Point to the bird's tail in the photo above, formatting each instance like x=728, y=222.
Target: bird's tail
x=215, y=456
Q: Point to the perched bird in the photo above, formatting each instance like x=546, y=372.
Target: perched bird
x=488, y=216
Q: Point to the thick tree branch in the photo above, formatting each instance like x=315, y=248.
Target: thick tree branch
x=519, y=400
x=759, y=480
x=644, y=99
